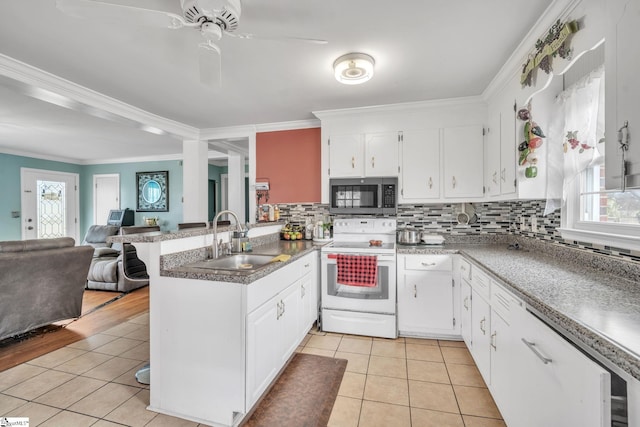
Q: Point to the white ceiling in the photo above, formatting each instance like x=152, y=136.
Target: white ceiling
x=424, y=50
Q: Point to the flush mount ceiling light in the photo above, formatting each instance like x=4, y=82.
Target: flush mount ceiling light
x=353, y=68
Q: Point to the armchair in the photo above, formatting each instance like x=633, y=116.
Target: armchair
x=115, y=267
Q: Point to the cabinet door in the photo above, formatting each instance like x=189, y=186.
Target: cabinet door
x=420, y=168
x=463, y=161
x=622, y=61
x=493, y=155
x=425, y=302
x=346, y=155
x=263, y=357
x=508, y=146
x=481, y=333
x=503, y=370
x=465, y=313
x=557, y=384
x=381, y=154
x=289, y=321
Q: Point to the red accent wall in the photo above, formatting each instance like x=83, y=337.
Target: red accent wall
x=290, y=159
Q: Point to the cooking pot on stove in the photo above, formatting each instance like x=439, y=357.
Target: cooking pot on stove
x=408, y=236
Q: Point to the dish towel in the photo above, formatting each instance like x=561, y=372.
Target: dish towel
x=357, y=270
x=281, y=258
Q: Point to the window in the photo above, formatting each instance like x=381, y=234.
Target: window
x=598, y=205
x=595, y=215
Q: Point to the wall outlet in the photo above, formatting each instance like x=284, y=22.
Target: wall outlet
x=534, y=223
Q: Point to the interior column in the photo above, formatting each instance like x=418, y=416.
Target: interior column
x=195, y=180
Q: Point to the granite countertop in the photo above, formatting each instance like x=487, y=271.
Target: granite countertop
x=296, y=249
x=593, y=306
x=161, y=236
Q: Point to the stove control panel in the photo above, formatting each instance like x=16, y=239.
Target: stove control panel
x=364, y=226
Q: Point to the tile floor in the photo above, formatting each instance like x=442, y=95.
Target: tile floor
x=403, y=382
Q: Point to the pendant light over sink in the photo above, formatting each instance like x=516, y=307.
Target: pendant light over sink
x=353, y=68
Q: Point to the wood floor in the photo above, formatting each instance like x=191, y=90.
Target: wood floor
x=98, y=314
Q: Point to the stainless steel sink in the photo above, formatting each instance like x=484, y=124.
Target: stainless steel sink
x=235, y=262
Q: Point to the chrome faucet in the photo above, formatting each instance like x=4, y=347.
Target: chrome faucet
x=214, y=246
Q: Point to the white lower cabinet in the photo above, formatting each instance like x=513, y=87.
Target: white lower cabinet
x=212, y=362
x=481, y=333
x=535, y=376
x=426, y=296
x=465, y=307
x=309, y=290
x=557, y=385
x=273, y=333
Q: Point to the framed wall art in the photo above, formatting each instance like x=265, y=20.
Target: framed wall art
x=152, y=191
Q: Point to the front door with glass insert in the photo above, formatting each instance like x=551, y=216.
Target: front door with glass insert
x=49, y=204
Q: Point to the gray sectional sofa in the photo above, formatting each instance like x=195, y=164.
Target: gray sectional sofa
x=41, y=282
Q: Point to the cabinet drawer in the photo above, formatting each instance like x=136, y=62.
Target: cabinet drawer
x=504, y=302
x=308, y=263
x=428, y=262
x=480, y=282
x=465, y=270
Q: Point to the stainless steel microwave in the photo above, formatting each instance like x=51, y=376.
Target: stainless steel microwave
x=363, y=195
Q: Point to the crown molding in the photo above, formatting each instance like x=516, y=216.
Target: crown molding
x=48, y=87
x=559, y=9
x=229, y=132
x=40, y=156
x=291, y=125
x=400, y=107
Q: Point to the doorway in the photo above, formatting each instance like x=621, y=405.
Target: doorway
x=106, y=196
x=49, y=203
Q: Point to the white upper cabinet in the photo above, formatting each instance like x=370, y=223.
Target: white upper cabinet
x=420, y=165
x=500, y=154
x=357, y=155
x=381, y=154
x=463, y=161
x=622, y=62
x=346, y=155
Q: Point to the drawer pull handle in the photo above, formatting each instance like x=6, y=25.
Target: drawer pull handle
x=353, y=162
x=453, y=182
x=482, y=328
x=428, y=264
x=415, y=291
x=466, y=303
x=373, y=162
x=307, y=265
x=532, y=347
x=492, y=342
x=430, y=183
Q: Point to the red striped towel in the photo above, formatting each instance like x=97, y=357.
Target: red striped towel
x=357, y=270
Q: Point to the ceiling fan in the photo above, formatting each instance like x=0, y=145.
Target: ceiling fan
x=213, y=18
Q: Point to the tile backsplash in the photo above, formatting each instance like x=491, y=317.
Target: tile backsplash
x=506, y=218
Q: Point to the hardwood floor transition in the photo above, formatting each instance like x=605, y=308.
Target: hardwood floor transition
x=101, y=310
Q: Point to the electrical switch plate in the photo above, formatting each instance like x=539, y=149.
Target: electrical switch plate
x=534, y=223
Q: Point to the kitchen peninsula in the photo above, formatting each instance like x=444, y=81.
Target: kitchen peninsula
x=219, y=338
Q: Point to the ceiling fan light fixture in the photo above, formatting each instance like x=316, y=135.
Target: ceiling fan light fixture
x=353, y=68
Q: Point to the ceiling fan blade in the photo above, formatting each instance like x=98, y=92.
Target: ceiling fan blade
x=276, y=38
x=109, y=12
x=210, y=60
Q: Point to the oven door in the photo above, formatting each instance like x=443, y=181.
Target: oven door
x=376, y=299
